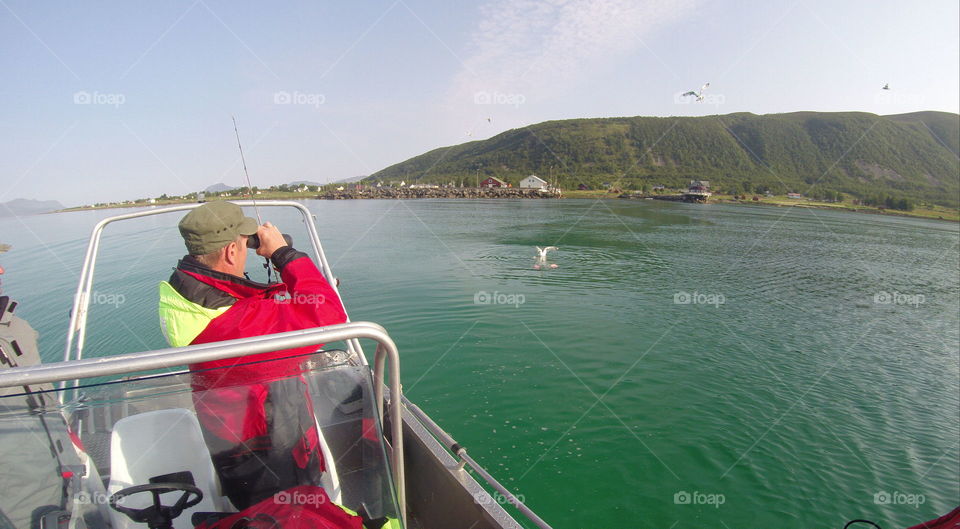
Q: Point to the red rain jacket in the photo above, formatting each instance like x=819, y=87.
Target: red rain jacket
x=304, y=300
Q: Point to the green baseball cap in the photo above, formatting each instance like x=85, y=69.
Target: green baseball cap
x=214, y=225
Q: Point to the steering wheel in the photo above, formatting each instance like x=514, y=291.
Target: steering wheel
x=157, y=516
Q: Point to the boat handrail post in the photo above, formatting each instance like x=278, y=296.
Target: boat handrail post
x=396, y=414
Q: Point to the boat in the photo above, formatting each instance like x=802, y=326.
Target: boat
x=113, y=440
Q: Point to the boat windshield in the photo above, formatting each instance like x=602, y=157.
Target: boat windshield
x=270, y=441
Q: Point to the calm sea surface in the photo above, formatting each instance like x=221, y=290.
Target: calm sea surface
x=684, y=366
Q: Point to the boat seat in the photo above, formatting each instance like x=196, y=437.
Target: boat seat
x=157, y=443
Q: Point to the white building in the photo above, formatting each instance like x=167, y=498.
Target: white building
x=534, y=182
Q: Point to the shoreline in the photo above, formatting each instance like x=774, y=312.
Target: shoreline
x=941, y=213
x=937, y=214
x=532, y=194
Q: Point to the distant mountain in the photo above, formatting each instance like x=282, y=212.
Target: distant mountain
x=350, y=180
x=305, y=183
x=913, y=156
x=23, y=206
x=218, y=188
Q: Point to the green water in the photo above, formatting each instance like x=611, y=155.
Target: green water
x=588, y=388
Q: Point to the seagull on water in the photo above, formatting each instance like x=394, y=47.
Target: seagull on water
x=542, y=257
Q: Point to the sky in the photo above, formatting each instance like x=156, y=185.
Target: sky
x=117, y=100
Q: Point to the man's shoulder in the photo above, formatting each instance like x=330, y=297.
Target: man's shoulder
x=196, y=291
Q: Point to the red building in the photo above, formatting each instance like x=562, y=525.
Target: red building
x=493, y=182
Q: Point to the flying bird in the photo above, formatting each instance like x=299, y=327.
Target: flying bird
x=699, y=94
x=886, y=86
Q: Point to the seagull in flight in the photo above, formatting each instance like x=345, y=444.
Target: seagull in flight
x=699, y=94
x=886, y=86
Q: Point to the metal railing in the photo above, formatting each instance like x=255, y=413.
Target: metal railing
x=77, y=331
x=191, y=354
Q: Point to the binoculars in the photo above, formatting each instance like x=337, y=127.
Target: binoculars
x=253, y=241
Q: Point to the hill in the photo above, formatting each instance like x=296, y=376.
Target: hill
x=907, y=156
x=23, y=206
x=218, y=188
x=350, y=180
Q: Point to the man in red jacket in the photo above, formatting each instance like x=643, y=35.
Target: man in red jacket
x=255, y=411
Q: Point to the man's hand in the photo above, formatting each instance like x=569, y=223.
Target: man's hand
x=270, y=240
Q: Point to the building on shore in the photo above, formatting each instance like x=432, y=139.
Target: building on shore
x=697, y=191
x=493, y=182
x=534, y=182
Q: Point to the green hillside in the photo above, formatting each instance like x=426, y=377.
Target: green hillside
x=906, y=156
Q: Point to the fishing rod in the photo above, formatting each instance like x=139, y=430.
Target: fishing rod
x=253, y=241
x=247, y=174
